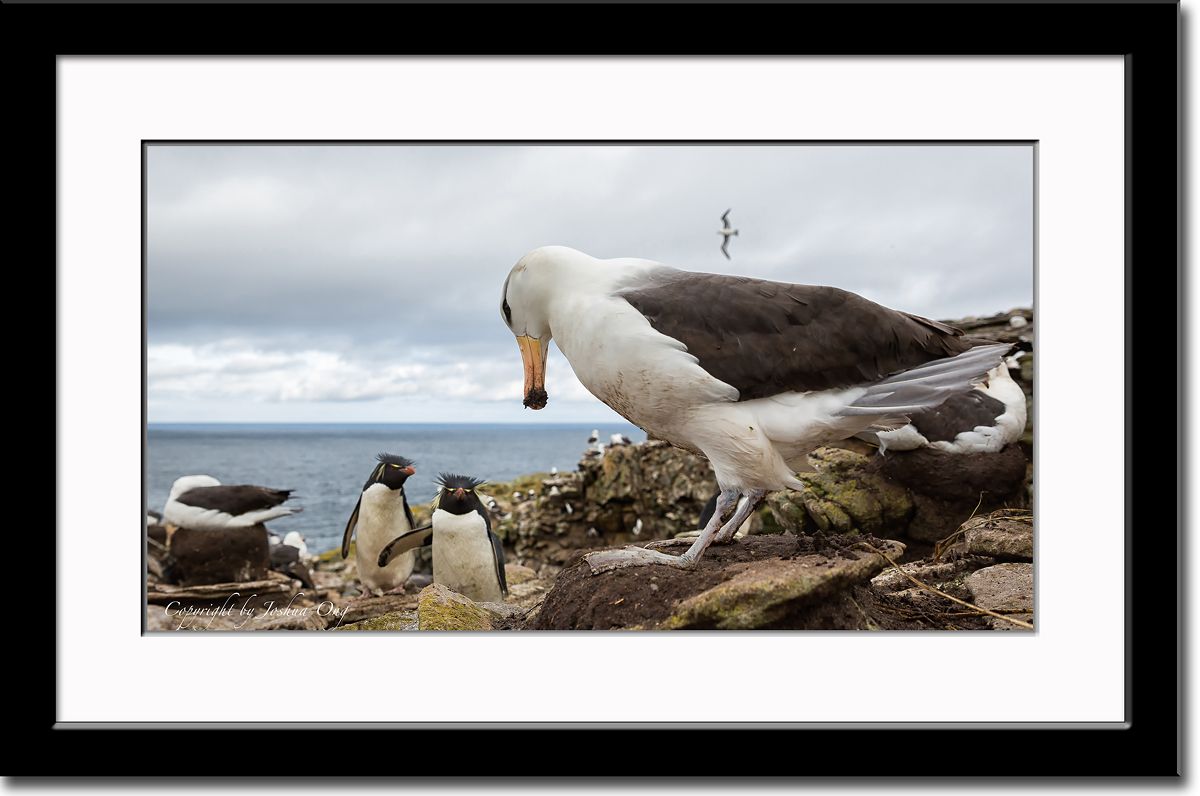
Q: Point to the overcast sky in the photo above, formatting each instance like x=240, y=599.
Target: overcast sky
x=362, y=283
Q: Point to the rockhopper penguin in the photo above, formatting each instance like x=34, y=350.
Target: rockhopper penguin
x=467, y=555
x=381, y=514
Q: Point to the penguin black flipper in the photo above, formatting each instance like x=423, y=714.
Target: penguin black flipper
x=405, y=542
x=350, y=528
x=498, y=549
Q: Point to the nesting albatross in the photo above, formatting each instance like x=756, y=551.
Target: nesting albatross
x=201, y=502
x=749, y=373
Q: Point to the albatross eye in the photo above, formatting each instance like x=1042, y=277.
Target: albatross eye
x=507, y=310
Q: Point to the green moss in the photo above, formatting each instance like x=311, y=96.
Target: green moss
x=441, y=609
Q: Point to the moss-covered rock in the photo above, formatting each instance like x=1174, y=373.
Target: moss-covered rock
x=440, y=608
x=842, y=497
x=766, y=598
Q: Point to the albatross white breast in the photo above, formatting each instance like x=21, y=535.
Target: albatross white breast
x=750, y=373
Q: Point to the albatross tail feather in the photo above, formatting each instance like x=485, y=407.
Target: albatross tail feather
x=926, y=386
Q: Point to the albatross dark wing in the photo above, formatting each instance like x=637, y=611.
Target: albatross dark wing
x=766, y=338
x=234, y=500
x=962, y=411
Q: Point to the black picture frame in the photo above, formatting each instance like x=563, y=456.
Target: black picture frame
x=1146, y=34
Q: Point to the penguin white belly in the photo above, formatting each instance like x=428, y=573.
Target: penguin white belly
x=381, y=519
x=463, y=558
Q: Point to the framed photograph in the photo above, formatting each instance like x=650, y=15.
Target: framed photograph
x=1095, y=110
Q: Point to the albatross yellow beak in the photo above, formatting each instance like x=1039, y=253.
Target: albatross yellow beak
x=535, y=372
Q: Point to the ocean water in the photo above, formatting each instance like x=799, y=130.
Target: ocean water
x=327, y=464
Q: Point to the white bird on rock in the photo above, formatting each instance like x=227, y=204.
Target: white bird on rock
x=749, y=373
x=294, y=539
x=202, y=503
x=982, y=420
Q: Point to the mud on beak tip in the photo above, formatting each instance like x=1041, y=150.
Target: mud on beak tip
x=532, y=358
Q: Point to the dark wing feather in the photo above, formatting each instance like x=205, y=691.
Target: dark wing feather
x=765, y=338
x=234, y=500
x=405, y=542
x=498, y=551
x=960, y=412
x=350, y=528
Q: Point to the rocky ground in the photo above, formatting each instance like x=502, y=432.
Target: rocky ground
x=916, y=540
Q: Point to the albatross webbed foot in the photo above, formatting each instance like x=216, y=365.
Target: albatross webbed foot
x=631, y=556
x=661, y=543
x=604, y=560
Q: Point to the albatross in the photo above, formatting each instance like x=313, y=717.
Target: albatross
x=201, y=502
x=749, y=373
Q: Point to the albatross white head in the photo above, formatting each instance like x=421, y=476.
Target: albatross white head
x=524, y=304
x=553, y=288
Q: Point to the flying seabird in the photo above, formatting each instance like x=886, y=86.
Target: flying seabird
x=982, y=420
x=749, y=373
x=201, y=503
x=726, y=230
x=381, y=514
x=467, y=555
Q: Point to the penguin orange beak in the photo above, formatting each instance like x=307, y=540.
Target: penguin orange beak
x=408, y=470
x=535, y=372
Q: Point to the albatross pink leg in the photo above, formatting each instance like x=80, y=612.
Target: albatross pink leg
x=639, y=556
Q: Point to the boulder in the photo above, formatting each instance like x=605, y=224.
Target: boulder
x=1004, y=587
x=1005, y=535
x=440, y=608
